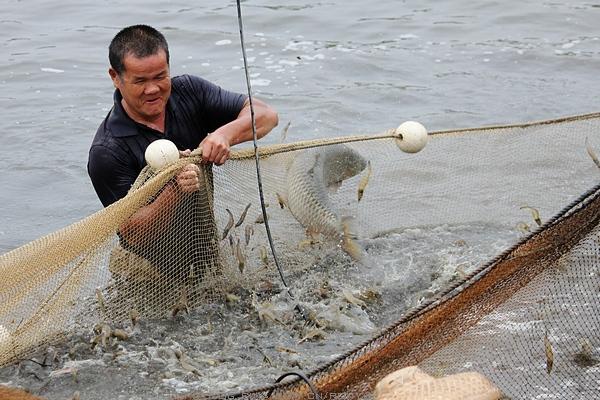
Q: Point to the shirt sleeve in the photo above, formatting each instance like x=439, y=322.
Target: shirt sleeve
x=110, y=177
x=217, y=106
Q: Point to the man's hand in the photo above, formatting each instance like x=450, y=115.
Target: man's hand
x=215, y=149
x=187, y=179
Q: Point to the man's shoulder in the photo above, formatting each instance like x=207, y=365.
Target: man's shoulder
x=106, y=140
x=192, y=83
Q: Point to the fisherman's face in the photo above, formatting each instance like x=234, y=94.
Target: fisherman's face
x=145, y=85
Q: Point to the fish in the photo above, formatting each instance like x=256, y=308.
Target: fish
x=232, y=245
x=243, y=216
x=229, y=224
x=549, y=353
x=248, y=234
x=309, y=177
x=120, y=334
x=591, y=153
x=280, y=200
x=181, y=305
x=313, y=334
x=350, y=298
x=263, y=255
x=134, y=316
x=364, y=180
x=103, y=333
x=523, y=227
x=241, y=257
x=284, y=131
x=101, y=301
x=534, y=213
x=260, y=219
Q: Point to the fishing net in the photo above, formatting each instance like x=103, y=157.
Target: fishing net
x=526, y=320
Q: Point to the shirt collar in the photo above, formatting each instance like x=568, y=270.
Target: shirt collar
x=119, y=123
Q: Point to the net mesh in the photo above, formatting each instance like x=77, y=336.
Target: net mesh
x=526, y=319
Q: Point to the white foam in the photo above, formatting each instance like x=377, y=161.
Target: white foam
x=223, y=42
x=53, y=70
x=288, y=62
x=260, y=82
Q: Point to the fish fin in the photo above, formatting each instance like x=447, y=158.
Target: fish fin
x=349, y=244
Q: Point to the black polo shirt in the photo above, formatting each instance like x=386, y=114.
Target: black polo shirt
x=195, y=108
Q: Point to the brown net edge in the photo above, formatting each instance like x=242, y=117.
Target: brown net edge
x=421, y=327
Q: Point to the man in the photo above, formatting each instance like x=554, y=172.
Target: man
x=187, y=110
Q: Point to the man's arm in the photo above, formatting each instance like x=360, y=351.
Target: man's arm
x=216, y=146
x=154, y=217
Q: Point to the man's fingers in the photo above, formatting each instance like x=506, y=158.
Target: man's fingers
x=221, y=160
x=188, y=179
x=215, y=150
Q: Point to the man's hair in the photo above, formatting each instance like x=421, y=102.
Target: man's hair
x=138, y=40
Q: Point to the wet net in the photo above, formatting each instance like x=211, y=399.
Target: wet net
x=526, y=320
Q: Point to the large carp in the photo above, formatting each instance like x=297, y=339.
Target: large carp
x=310, y=176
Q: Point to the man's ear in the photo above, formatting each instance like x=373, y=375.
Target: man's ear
x=114, y=75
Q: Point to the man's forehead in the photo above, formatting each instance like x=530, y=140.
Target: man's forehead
x=148, y=64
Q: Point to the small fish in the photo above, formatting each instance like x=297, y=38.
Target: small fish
x=284, y=131
x=369, y=295
x=460, y=271
x=231, y=298
x=266, y=358
x=103, y=333
x=229, y=224
x=241, y=257
x=120, y=334
x=307, y=242
x=523, y=227
x=187, y=363
x=181, y=305
x=281, y=200
x=584, y=358
x=534, y=213
x=265, y=311
x=134, y=316
x=364, y=180
x=232, y=245
x=50, y=357
x=549, y=353
x=263, y=255
x=350, y=298
x=101, y=301
x=248, y=232
x=243, y=216
x=260, y=219
x=313, y=334
x=591, y=152
x=348, y=243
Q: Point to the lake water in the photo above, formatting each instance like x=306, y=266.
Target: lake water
x=331, y=68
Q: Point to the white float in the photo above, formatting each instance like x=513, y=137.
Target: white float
x=161, y=153
x=412, y=137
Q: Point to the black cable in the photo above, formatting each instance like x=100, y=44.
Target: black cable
x=301, y=376
x=260, y=190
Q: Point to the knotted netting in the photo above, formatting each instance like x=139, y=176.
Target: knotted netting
x=526, y=318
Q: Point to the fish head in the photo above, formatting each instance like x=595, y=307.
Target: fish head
x=342, y=162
